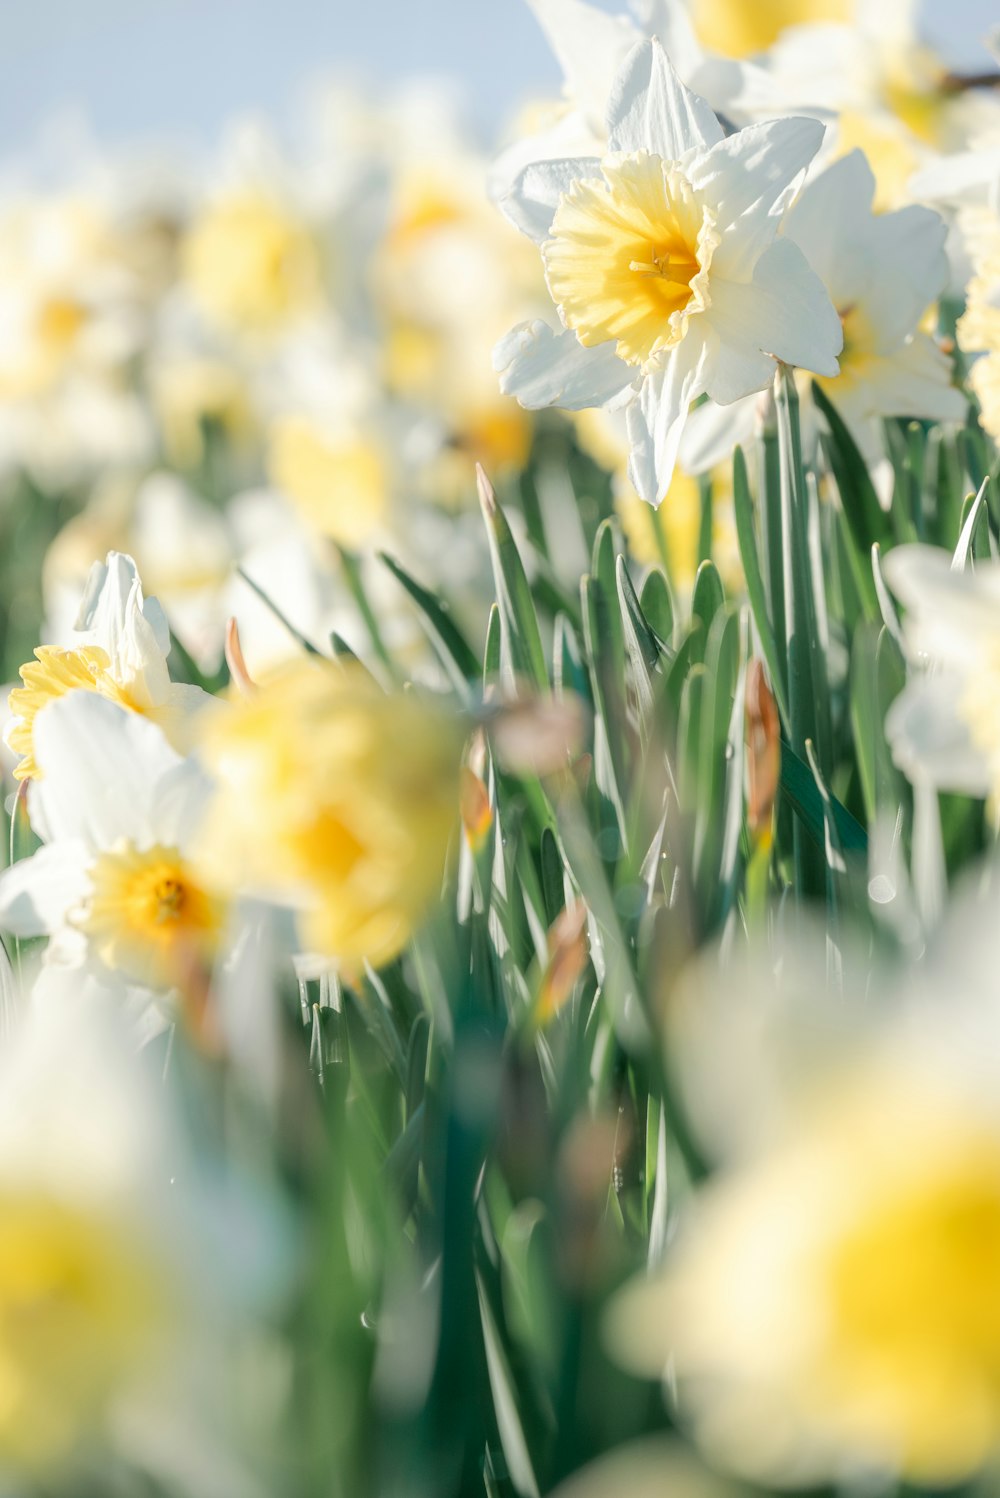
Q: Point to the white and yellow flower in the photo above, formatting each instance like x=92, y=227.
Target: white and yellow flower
x=882, y=272
x=114, y=886
x=829, y=1306
x=944, y=728
x=119, y=651
x=665, y=265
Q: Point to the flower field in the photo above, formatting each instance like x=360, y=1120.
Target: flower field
x=498, y=987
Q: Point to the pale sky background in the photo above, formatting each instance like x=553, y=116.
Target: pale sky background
x=154, y=68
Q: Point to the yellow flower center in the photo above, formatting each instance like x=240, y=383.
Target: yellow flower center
x=50, y=675
x=147, y=916
x=629, y=256
x=914, y=1296
x=78, y=1311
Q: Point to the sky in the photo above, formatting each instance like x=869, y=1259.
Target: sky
x=140, y=69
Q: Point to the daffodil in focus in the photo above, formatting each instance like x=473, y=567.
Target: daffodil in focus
x=944, y=728
x=882, y=272
x=114, y=885
x=119, y=652
x=664, y=262
x=337, y=799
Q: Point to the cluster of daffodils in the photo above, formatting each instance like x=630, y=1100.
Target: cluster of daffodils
x=500, y=999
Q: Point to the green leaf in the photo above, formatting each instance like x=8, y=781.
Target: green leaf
x=517, y=608
x=799, y=786
x=657, y=606
x=743, y=506
x=450, y=645
x=865, y=516
x=709, y=595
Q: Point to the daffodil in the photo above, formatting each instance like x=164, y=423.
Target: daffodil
x=119, y=651
x=829, y=1304
x=123, y=1260
x=665, y=265
x=114, y=884
x=882, y=271
x=944, y=729
x=338, y=800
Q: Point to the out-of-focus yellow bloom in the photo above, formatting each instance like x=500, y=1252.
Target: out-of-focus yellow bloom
x=147, y=916
x=339, y=799
x=339, y=484
x=837, y=1300
x=449, y=277
x=191, y=391
x=80, y=1307
x=978, y=329
x=252, y=265
x=737, y=29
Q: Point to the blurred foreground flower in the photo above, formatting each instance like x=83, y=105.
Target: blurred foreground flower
x=338, y=799
x=115, y=1259
x=944, y=728
x=664, y=265
x=830, y=1307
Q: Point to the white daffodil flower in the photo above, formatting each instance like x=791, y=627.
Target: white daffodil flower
x=944, y=727
x=664, y=262
x=119, y=651
x=127, y=1261
x=882, y=271
x=113, y=887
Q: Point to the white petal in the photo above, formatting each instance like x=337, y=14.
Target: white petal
x=784, y=311
x=651, y=110
x=534, y=194
x=830, y=222
x=36, y=893
x=179, y=800
x=748, y=180
x=655, y=419
x=908, y=249
x=913, y=381
x=952, y=617
x=671, y=22
x=590, y=47
x=541, y=367
x=116, y=616
x=99, y=766
x=713, y=431
x=929, y=738
x=569, y=136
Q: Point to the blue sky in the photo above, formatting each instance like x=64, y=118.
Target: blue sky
x=159, y=67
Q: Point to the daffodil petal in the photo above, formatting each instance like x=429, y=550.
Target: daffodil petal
x=541, y=367
x=651, y=110
x=533, y=196
x=784, y=312
x=655, y=419
x=589, y=45
x=99, y=765
x=930, y=740
x=36, y=892
x=748, y=180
